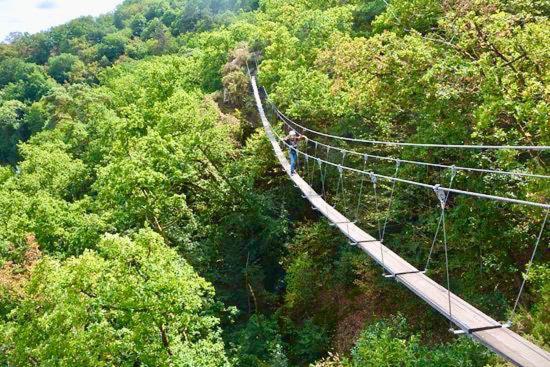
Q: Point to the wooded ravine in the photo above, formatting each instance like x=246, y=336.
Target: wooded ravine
x=145, y=221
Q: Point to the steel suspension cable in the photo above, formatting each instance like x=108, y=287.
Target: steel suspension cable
x=421, y=145
x=340, y=170
x=319, y=162
x=325, y=174
x=344, y=200
x=437, y=165
x=427, y=164
x=312, y=175
x=306, y=168
x=456, y=191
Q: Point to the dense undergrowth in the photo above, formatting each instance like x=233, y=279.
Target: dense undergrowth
x=145, y=221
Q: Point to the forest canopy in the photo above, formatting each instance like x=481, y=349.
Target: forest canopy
x=146, y=222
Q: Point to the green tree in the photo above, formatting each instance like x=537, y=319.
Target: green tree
x=11, y=122
x=259, y=344
x=134, y=301
x=18, y=122
x=113, y=45
x=23, y=81
x=137, y=24
x=401, y=15
x=158, y=36
x=65, y=67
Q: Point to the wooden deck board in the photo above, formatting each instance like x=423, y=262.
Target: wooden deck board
x=503, y=341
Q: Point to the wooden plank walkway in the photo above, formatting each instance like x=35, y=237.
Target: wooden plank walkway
x=501, y=340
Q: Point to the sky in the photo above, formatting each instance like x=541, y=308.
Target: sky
x=37, y=15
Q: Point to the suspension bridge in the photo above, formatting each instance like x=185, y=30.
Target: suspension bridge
x=463, y=317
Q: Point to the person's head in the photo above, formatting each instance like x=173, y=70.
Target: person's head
x=293, y=133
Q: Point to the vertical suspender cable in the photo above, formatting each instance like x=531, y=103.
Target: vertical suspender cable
x=453, y=175
x=365, y=159
x=312, y=174
x=528, y=267
x=340, y=176
x=441, y=195
x=397, y=164
x=374, y=180
x=322, y=176
x=306, y=168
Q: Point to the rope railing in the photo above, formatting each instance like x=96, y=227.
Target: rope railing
x=418, y=163
x=420, y=184
x=422, y=145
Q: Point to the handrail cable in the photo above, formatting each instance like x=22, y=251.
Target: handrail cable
x=423, y=145
x=420, y=163
x=394, y=143
x=428, y=186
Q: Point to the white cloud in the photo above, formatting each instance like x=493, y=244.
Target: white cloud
x=46, y=4
x=37, y=15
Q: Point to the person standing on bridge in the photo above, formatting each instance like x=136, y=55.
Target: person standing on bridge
x=292, y=139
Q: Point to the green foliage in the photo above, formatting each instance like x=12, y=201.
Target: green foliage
x=21, y=84
x=365, y=13
x=388, y=343
x=385, y=345
x=311, y=89
x=260, y=344
x=65, y=67
x=402, y=15
x=113, y=45
x=137, y=24
x=18, y=122
x=23, y=81
x=311, y=342
x=50, y=168
x=63, y=229
x=303, y=281
x=5, y=173
x=536, y=322
x=136, y=146
x=132, y=302
x=313, y=266
x=45, y=198
x=11, y=121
